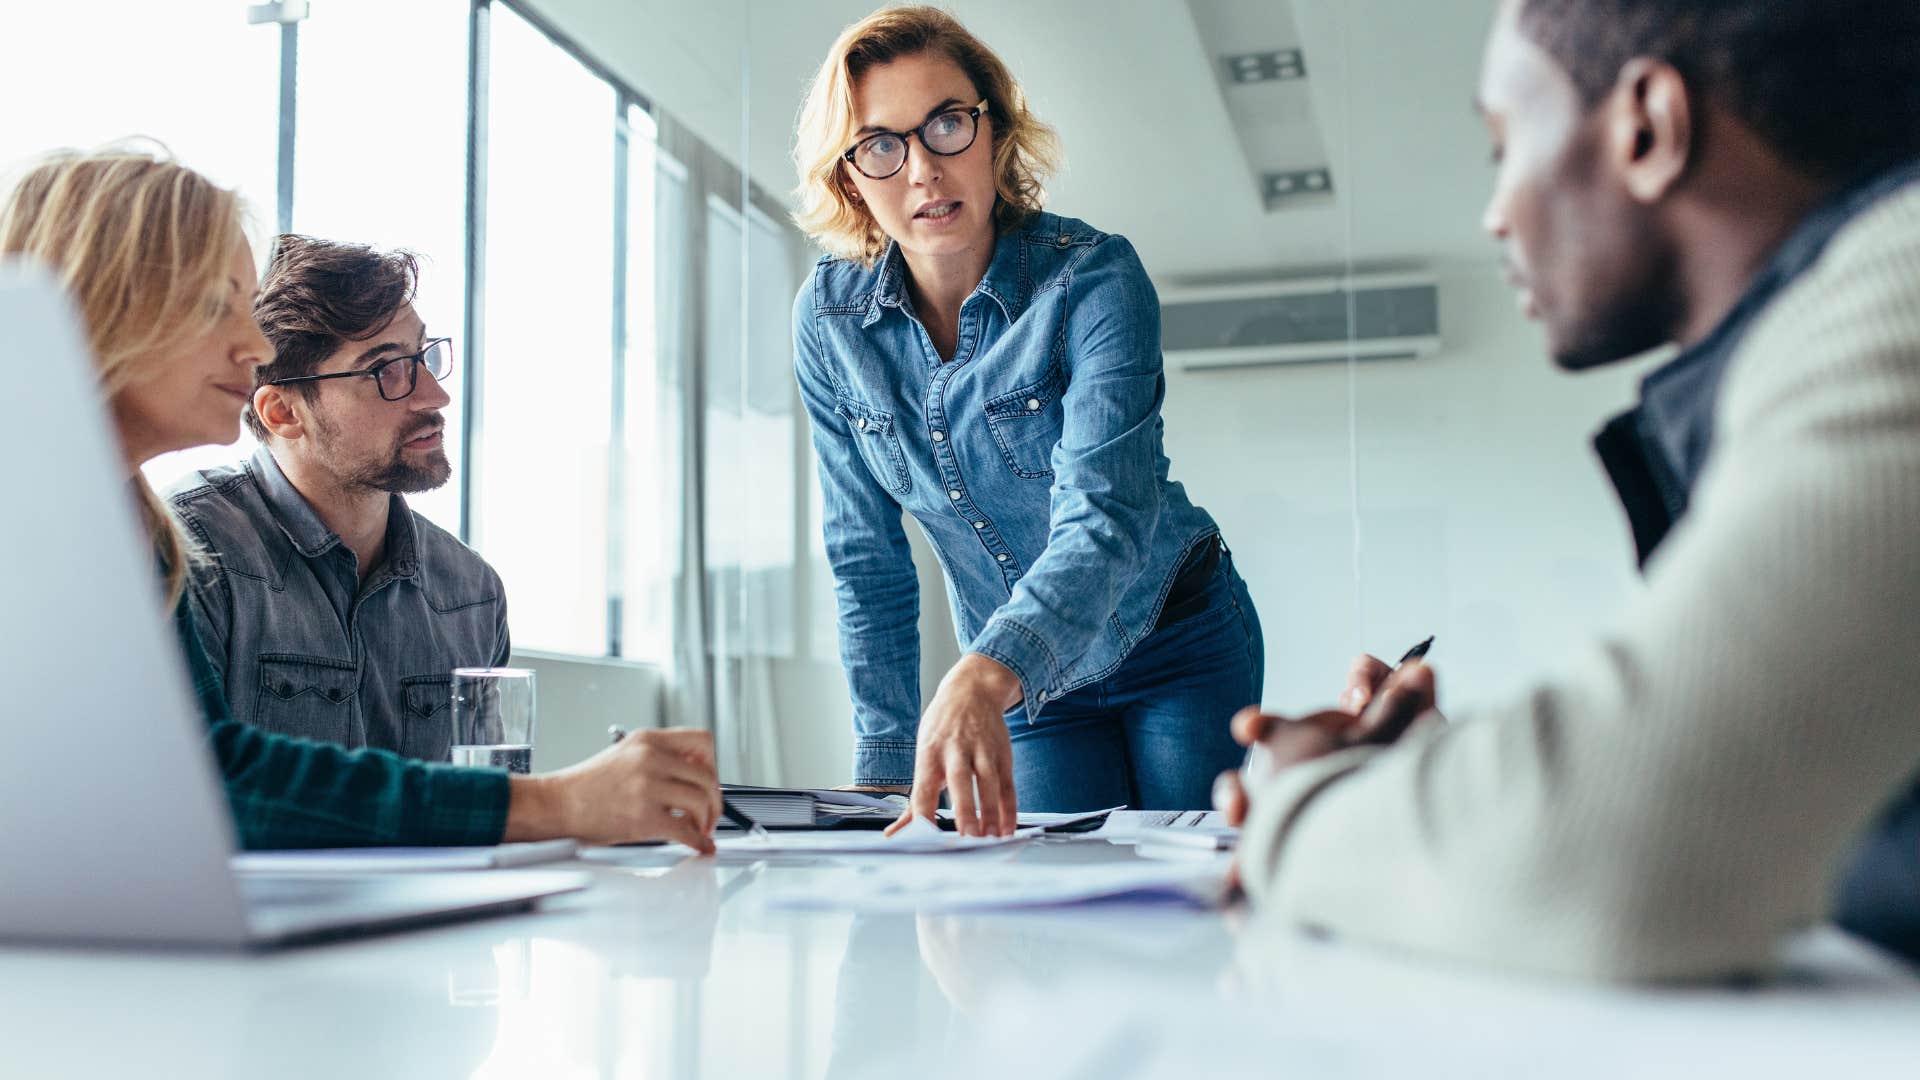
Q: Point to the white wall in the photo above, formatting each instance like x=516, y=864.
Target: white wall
x=577, y=699
x=1484, y=517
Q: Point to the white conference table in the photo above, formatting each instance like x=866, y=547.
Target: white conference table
x=673, y=966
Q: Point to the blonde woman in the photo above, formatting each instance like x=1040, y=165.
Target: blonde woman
x=995, y=371
x=156, y=260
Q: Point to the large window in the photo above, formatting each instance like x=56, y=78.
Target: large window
x=540, y=513
x=652, y=433
x=750, y=432
x=142, y=71
x=143, y=76
x=381, y=158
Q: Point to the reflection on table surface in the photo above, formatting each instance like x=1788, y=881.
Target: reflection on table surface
x=675, y=967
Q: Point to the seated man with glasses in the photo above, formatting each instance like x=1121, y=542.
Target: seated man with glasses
x=332, y=610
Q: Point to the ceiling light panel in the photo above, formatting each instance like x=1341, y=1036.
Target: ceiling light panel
x=1262, y=72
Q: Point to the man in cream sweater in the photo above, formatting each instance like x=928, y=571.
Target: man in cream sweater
x=1741, y=179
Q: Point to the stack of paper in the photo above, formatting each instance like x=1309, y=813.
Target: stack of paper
x=1125, y=826
x=920, y=837
x=1053, y=823
x=943, y=886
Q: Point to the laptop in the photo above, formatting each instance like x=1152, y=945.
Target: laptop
x=114, y=826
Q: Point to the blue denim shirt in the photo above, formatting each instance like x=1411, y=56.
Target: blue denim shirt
x=303, y=647
x=1032, y=459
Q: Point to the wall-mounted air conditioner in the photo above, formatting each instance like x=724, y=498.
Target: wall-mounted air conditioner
x=1301, y=321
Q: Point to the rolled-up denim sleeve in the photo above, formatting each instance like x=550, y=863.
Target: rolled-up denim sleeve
x=875, y=582
x=1106, y=490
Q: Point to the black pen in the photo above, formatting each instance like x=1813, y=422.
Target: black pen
x=746, y=824
x=1384, y=735
x=1417, y=651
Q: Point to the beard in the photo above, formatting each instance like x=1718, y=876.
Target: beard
x=1619, y=294
x=400, y=478
x=1625, y=326
x=391, y=472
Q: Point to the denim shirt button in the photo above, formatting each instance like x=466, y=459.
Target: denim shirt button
x=1002, y=558
x=861, y=423
x=939, y=436
x=954, y=495
x=1043, y=696
x=979, y=524
x=1033, y=404
x=1065, y=240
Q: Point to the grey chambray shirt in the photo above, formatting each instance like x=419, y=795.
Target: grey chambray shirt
x=302, y=647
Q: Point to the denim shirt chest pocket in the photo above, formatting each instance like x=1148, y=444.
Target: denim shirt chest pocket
x=427, y=729
x=1027, y=424
x=308, y=696
x=879, y=445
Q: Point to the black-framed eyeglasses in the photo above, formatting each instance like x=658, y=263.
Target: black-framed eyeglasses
x=398, y=376
x=884, y=153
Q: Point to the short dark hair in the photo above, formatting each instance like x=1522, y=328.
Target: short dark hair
x=320, y=294
x=1832, y=85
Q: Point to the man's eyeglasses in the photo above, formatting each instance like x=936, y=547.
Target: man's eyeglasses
x=884, y=153
x=398, y=376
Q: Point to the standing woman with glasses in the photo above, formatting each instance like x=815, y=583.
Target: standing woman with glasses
x=995, y=371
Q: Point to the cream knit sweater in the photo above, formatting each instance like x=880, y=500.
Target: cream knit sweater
x=1688, y=788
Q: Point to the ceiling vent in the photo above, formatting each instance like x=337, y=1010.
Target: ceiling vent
x=1301, y=321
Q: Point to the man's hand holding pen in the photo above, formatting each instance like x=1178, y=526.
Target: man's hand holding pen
x=1378, y=705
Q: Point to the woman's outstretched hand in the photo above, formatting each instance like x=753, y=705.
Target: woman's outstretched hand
x=964, y=748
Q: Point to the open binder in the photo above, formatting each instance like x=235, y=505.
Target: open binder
x=814, y=808
x=825, y=808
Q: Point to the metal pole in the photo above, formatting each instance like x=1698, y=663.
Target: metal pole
x=617, y=421
x=472, y=398
x=289, y=71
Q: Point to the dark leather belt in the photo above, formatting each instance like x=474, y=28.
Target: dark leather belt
x=1188, y=596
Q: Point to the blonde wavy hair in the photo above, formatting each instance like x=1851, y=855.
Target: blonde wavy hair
x=1025, y=151
x=140, y=243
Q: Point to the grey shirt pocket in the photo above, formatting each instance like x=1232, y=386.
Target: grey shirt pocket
x=313, y=697
x=425, y=717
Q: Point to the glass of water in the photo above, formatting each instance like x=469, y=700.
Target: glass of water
x=493, y=718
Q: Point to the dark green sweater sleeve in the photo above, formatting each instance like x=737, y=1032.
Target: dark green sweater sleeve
x=297, y=793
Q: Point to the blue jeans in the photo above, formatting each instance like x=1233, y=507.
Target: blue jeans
x=1153, y=735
